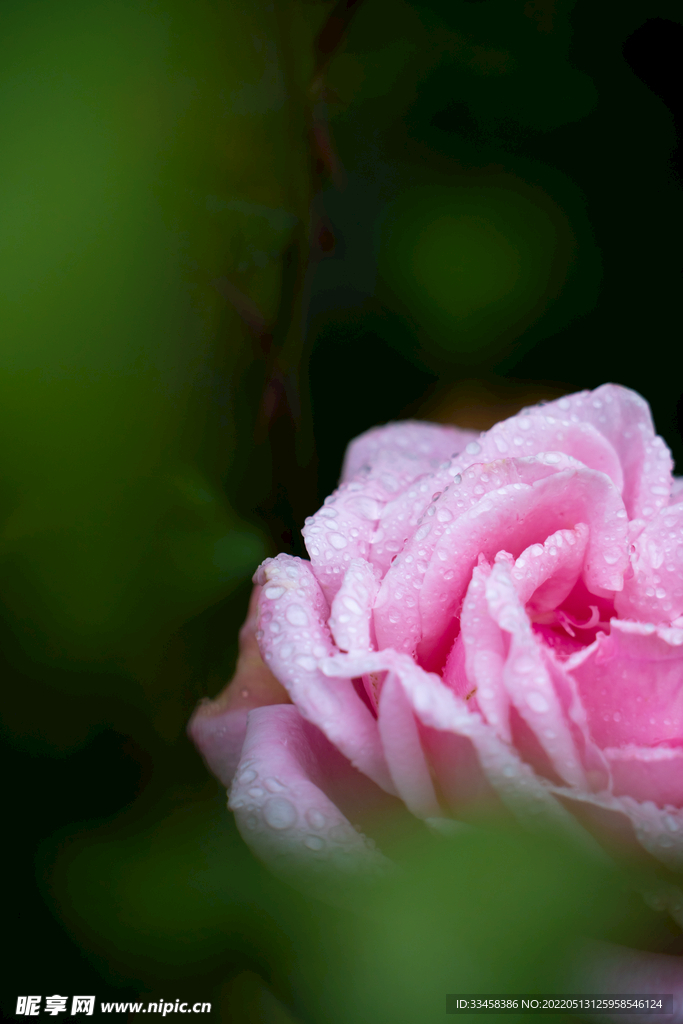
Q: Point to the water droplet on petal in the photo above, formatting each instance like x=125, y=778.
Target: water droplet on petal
x=314, y=842
x=279, y=813
x=272, y=593
x=316, y=819
x=247, y=776
x=296, y=616
x=537, y=702
x=273, y=785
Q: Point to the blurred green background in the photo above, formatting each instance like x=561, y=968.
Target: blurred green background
x=199, y=307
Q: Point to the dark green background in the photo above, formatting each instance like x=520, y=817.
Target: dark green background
x=526, y=151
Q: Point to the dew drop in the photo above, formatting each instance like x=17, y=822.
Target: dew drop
x=279, y=813
x=316, y=819
x=247, y=776
x=272, y=593
x=273, y=785
x=537, y=702
x=314, y=842
x=337, y=540
x=296, y=616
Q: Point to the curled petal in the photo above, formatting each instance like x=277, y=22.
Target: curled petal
x=485, y=651
x=294, y=637
x=280, y=805
x=512, y=518
x=351, y=618
x=624, y=418
x=546, y=573
x=398, y=620
x=528, y=681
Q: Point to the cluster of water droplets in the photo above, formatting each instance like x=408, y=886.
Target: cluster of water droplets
x=288, y=825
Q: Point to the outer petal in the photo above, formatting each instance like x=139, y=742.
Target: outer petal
x=608, y=969
x=218, y=727
x=658, y=830
x=512, y=518
x=655, y=591
x=404, y=450
x=294, y=637
x=623, y=417
x=280, y=806
x=351, y=618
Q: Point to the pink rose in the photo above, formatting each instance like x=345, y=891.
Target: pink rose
x=494, y=617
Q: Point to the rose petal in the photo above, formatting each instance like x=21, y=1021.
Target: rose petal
x=437, y=707
x=512, y=518
x=631, y=685
x=379, y=465
x=527, y=680
x=546, y=574
x=655, y=591
x=397, y=615
x=403, y=751
x=533, y=431
x=351, y=618
x=280, y=808
x=624, y=418
x=659, y=829
x=647, y=773
x=341, y=531
x=293, y=622
x=485, y=651
x=404, y=450
x=218, y=727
